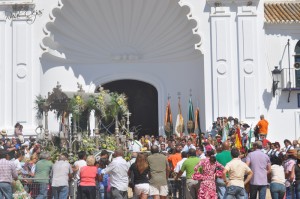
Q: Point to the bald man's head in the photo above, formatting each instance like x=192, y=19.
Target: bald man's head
x=154, y=149
x=118, y=153
x=226, y=145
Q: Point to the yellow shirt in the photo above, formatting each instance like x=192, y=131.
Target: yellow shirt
x=237, y=169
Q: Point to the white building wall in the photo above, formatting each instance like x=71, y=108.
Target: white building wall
x=232, y=75
x=284, y=116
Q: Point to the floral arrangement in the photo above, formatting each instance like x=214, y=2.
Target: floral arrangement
x=39, y=103
x=101, y=102
x=122, y=102
x=108, y=142
x=87, y=144
x=76, y=106
x=117, y=105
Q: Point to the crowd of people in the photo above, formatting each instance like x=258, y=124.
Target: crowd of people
x=219, y=164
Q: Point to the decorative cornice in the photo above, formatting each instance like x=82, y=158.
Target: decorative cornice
x=220, y=12
x=23, y=2
x=222, y=3
x=247, y=11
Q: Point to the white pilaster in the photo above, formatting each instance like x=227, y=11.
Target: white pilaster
x=2, y=73
x=21, y=73
x=247, y=61
x=5, y=68
x=221, y=60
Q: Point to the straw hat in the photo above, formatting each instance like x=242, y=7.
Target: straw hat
x=3, y=133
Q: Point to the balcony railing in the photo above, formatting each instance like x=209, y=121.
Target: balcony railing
x=290, y=79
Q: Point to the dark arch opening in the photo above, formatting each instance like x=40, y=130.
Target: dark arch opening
x=142, y=103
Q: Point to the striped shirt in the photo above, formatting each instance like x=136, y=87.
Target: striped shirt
x=7, y=171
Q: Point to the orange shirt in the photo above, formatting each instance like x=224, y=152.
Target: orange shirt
x=263, y=126
x=174, y=158
x=88, y=175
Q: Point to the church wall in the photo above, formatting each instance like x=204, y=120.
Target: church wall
x=20, y=65
x=173, y=77
x=234, y=44
x=168, y=78
x=231, y=77
x=284, y=116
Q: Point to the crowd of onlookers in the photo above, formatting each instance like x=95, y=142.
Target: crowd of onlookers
x=211, y=165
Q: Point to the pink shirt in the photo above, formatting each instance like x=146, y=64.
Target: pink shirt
x=288, y=167
x=88, y=176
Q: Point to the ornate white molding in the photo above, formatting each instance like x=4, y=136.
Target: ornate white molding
x=19, y=10
x=247, y=11
x=16, y=2
x=120, y=31
x=219, y=12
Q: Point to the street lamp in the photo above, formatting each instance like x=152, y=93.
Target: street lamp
x=276, y=73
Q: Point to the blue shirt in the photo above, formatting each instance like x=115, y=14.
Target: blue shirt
x=105, y=178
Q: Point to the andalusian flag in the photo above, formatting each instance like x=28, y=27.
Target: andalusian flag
x=238, y=139
x=179, y=127
x=168, y=120
x=190, y=123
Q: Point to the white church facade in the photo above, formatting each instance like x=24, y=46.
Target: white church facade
x=219, y=53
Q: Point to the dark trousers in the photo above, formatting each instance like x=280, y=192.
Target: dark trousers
x=261, y=189
x=117, y=194
x=179, y=187
x=86, y=192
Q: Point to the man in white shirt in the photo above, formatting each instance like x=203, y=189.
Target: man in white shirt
x=189, y=145
x=200, y=153
x=61, y=172
x=118, y=170
x=134, y=145
x=183, y=176
x=18, y=160
x=79, y=163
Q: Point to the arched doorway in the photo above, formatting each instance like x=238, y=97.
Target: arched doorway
x=142, y=103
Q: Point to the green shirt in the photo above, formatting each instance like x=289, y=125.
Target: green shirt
x=224, y=157
x=42, y=171
x=189, y=165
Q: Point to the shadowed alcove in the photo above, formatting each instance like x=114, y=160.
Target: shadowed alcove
x=142, y=103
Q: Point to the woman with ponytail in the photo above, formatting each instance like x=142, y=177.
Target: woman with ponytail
x=139, y=171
